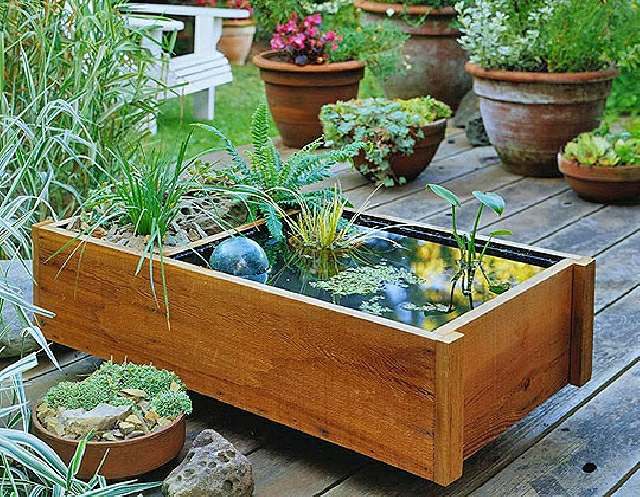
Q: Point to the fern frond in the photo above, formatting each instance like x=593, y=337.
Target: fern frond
x=231, y=150
x=272, y=221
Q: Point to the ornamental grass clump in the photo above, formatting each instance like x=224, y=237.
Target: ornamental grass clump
x=551, y=35
x=386, y=127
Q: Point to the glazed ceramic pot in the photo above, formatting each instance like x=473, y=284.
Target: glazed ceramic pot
x=434, y=57
x=236, y=40
x=296, y=94
x=126, y=458
x=529, y=117
x=411, y=166
x=602, y=184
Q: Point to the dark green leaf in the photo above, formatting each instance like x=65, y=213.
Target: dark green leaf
x=492, y=200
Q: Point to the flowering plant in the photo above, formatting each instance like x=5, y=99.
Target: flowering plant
x=302, y=40
x=230, y=4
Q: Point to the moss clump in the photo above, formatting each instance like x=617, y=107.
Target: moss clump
x=171, y=404
x=106, y=385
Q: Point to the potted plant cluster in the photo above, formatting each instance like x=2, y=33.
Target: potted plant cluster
x=602, y=166
x=402, y=135
x=433, y=57
x=308, y=68
x=237, y=34
x=130, y=415
x=543, y=71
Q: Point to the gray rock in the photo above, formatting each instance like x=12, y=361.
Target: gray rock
x=469, y=105
x=79, y=422
x=475, y=131
x=14, y=340
x=212, y=468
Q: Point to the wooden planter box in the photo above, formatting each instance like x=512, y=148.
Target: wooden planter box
x=422, y=401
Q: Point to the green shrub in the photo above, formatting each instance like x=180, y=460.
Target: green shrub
x=171, y=404
x=551, y=35
x=384, y=126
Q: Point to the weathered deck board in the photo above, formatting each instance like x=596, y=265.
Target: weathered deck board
x=598, y=434
x=287, y=463
x=631, y=487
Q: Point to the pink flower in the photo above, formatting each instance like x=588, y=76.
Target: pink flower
x=297, y=40
x=277, y=43
x=312, y=20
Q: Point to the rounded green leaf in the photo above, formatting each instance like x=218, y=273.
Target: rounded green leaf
x=492, y=200
x=445, y=194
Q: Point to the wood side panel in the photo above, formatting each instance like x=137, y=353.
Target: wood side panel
x=584, y=275
x=331, y=374
x=517, y=355
x=449, y=429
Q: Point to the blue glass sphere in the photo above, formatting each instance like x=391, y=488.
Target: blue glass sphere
x=242, y=257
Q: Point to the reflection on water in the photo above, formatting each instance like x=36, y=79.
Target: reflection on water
x=399, y=277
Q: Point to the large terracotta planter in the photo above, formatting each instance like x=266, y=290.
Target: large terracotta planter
x=126, y=458
x=602, y=184
x=296, y=94
x=529, y=117
x=236, y=40
x=410, y=166
x=433, y=54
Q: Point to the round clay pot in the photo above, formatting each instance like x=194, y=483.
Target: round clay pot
x=236, y=40
x=435, y=58
x=602, y=184
x=529, y=117
x=296, y=94
x=410, y=166
x=126, y=458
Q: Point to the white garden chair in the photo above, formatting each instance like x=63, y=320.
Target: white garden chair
x=197, y=73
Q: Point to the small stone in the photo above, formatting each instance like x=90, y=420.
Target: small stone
x=126, y=427
x=162, y=422
x=117, y=434
x=213, y=467
x=174, y=387
x=133, y=419
x=79, y=422
x=469, y=105
x=109, y=437
x=99, y=233
x=151, y=417
x=137, y=433
x=476, y=132
x=135, y=393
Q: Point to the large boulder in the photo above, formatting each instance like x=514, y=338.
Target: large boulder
x=14, y=341
x=212, y=468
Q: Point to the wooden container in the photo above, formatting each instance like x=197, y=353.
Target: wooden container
x=422, y=401
x=296, y=94
x=126, y=459
x=602, y=184
x=530, y=116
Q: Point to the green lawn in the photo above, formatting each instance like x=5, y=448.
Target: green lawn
x=235, y=102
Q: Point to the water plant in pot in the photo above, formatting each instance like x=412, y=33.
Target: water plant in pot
x=308, y=68
x=132, y=415
x=434, y=60
x=237, y=34
x=543, y=71
x=603, y=166
x=400, y=136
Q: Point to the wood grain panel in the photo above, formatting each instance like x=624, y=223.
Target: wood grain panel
x=332, y=373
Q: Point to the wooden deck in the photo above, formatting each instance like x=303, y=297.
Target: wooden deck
x=551, y=452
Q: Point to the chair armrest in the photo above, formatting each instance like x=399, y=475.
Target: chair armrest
x=183, y=10
x=145, y=22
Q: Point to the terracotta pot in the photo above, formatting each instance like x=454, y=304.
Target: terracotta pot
x=410, y=166
x=126, y=458
x=236, y=40
x=529, y=117
x=296, y=94
x=435, y=58
x=602, y=184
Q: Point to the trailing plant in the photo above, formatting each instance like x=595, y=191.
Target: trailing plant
x=387, y=126
x=551, y=35
x=471, y=256
x=277, y=182
x=303, y=42
x=602, y=148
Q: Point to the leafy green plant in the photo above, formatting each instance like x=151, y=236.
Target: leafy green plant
x=471, y=257
x=605, y=149
x=386, y=126
x=426, y=3
x=550, y=35
x=276, y=183
x=172, y=403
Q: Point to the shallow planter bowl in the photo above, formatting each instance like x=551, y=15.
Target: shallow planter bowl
x=529, y=117
x=419, y=400
x=127, y=458
x=434, y=56
x=602, y=184
x=296, y=94
x=410, y=166
x=236, y=39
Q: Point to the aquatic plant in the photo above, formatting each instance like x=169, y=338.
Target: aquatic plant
x=471, y=258
x=367, y=280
